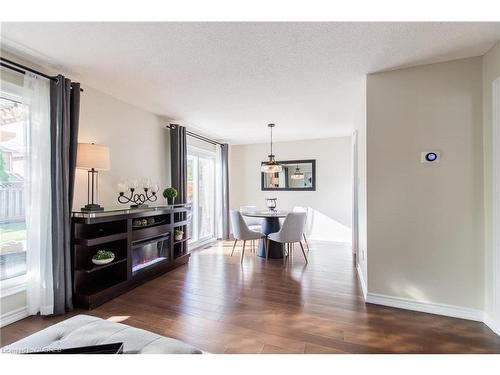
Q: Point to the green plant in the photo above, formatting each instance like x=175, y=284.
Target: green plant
x=103, y=254
x=170, y=192
x=178, y=232
x=3, y=173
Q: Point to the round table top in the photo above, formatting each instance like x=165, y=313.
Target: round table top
x=265, y=213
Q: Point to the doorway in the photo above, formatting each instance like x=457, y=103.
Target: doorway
x=201, y=195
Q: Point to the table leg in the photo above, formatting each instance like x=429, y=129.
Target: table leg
x=271, y=225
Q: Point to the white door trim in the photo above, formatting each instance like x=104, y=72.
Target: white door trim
x=355, y=183
x=493, y=316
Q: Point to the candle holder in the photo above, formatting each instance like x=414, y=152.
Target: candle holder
x=139, y=199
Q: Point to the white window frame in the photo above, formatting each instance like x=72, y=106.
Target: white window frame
x=14, y=285
x=493, y=321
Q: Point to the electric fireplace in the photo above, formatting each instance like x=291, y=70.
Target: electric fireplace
x=146, y=253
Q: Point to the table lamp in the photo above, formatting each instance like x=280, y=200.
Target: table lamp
x=92, y=158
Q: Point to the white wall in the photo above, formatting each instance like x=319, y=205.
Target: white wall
x=425, y=222
x=332, y=199
x=138, y=142
x=491, y=71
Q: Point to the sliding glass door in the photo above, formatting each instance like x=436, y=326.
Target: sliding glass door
x=201, y=194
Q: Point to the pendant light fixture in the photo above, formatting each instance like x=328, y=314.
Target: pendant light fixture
x=297, y=175
x=271, y=166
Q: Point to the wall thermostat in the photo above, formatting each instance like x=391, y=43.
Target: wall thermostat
x=430, y=157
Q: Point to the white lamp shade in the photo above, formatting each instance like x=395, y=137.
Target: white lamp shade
x=90, y=156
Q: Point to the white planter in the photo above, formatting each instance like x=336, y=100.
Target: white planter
x=179, y=237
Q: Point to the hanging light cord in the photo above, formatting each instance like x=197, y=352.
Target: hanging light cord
x=271, y=140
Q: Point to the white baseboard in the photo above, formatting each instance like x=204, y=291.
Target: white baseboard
x=362, y=281
x=13, y=316
x=493, y=324
x=427, y=307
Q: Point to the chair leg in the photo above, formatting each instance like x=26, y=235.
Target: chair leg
x=307, y=243
x=266, y=247
x=284, y=253
x=243, y=251
x=303, y=252
x=234, y=247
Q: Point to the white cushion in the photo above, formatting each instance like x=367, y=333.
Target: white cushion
x=85, y=330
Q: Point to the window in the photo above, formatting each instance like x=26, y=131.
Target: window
x=201, y=194
x=13, y=172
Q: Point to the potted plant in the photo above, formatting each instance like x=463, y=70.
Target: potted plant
x=178, y=234
x=103, y=257
x=170, y=193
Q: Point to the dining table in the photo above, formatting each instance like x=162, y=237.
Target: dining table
x=270, y=224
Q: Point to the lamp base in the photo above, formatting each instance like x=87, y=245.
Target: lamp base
x=92, y=207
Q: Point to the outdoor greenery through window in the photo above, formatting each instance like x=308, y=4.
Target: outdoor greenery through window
x=201, y=194
x=13, y=167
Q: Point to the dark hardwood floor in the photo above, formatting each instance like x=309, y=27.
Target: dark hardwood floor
x=222, y=307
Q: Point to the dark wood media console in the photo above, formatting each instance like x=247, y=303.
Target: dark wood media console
x=142, y=251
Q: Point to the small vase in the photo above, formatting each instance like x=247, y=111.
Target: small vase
x=170, y=201
x=179, y=237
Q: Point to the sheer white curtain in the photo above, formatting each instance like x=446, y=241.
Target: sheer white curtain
x=218, y=193
x=39, y=288
x=222, y=192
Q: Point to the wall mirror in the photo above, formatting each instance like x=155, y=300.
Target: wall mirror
x=296, y=175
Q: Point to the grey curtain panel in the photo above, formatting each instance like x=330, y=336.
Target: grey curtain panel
x=64, y=115
x=178, y=160
x=225, y=190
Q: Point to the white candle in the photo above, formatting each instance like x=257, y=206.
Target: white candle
x=133, y=184
x=155, y=188
x=121, y=188
x=146, y=184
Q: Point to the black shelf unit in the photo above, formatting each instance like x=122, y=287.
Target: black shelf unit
x=93, y=284
x=103, y=266
x=181, y=220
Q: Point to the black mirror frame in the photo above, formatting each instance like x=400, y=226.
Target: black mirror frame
x=312, y=188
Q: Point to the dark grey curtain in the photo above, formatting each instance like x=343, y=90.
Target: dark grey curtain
x=225, y=190
x=64, y=113
x=178, y=161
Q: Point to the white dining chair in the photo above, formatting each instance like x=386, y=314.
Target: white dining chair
x=291, y=232
x=308, y=224
x=242, y=232
x=254, y=223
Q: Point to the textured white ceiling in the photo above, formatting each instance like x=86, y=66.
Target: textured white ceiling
x=230, y=79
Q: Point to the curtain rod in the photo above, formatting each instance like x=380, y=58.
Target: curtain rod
x=23, y=69
x=197, y=136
